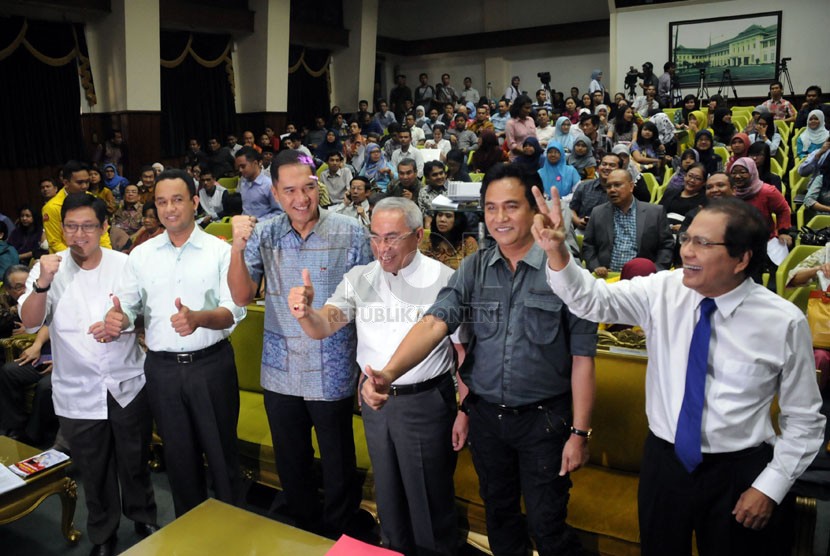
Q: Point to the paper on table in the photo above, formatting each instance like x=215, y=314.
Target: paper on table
x=443, y=202
x=777, y=251
x=8, y=480
x=347, y=546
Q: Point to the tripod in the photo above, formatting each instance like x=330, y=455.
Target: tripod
x=786, y=71
x=726, y=79
x=702, y=90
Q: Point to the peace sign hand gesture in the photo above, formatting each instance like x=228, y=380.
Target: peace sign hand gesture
x=549, y=229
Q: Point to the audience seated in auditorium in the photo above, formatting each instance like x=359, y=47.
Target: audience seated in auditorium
x=220, y=159
x=212, y=199
x=814, y=135
x=591, y=193
x=438, y=141
x=417, y=133
x=582, y=157
x=318, y=134
x=435, y=178
x=488, y=153
x=447, y=241
x=407, y=150
x=623, y=229
x=760, y=153
x=812, y=101
x=682, y=201
x=356, y=203
x=766, y=132
x=641, y=192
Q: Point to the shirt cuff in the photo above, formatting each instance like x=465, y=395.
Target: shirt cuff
x=564, y=276
x=771, y=483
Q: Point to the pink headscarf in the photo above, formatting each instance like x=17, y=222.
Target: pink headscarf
x=755, y=182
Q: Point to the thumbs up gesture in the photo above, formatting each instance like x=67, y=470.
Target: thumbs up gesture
x=300, y=298
x=114, y=322
x=183, y=320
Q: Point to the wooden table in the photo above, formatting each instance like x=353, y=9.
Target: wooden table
x=22, y=501
x=214, y=527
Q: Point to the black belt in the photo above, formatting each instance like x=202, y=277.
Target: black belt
x=190, y=356
x=541, y=405
x=406, y=389
x=713, y=457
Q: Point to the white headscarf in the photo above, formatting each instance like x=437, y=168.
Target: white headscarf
x=814, y=136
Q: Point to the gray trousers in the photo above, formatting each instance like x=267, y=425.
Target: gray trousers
x=112, y=451
x=410, y=445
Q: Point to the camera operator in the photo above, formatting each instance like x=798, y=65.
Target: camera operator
x=648, y=77
x=666, y=84
x=631, y=81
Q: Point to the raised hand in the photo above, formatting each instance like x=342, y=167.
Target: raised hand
x=548, y=226
x=184, y=320
x=114, y=322
x=49, y=265
x=242, y=226
x=300, y=298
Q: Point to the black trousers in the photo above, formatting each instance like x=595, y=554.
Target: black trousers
x=673, y=503
x=521, y=455
x=110, y=452
x=291, y=419
x=196, y=408
x=14, y=380
x=410, y=443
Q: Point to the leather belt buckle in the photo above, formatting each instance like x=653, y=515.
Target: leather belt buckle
x=184, y=358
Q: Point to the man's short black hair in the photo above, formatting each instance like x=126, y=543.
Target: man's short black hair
x=147, y=206
x=422, y=75
x=815, y=88
x=593, y=117
x=71, y=167
x=503, y=171
x=746, y=231
x=408, y=162
x=781, y=85
x=333, y=153
x=616, y=156
x=176, y=174
x=249, y=153
x=289, y=157
x=404, y=130
x=146, y=168
x=80, y=200
x=668, y=65
x=367, y=183
x=205, y=170
x=443, y=75
x=433, y=164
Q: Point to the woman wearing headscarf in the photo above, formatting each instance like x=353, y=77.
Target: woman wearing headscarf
x=740, y=147
x=329, y=145
x=489, y=152
x=817, y=199
x=602, y=111
x=763, y=196
x=531, y=155
x=562, y=133
x=814, y=135
x=765, y=131
x=582, y=158
x=704, y=145
x=376, y=168
x=420, y=116
x=665, y=131
x=113, y=181
x=722, y=127
x=596, y=82
x=555, y=171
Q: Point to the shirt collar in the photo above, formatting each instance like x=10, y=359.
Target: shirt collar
x=535, y=257
x=727, y=303
x=197, y=239
x=631, y=209
x=282, y=224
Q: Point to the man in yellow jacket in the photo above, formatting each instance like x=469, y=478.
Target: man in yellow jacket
x=75, y=179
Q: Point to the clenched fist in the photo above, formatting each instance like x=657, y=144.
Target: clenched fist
x=242, y=227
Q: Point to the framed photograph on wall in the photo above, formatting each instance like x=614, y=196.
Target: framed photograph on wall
x=748, y=46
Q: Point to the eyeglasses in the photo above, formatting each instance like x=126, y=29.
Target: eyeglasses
x=390, y=240
x=87, y=227
x=697, y=241
x=692, y=177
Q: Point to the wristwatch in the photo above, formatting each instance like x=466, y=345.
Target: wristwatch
x=38, y=289
x=584, y=434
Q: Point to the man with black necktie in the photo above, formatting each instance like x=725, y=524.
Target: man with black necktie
x=712, y=463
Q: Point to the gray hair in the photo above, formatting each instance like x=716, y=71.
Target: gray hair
x=414, y=218
x=12, y=269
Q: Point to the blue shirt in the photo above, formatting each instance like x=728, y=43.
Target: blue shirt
x=257, y=198
x=292, y=363
x=499, y=121
x=625, y=237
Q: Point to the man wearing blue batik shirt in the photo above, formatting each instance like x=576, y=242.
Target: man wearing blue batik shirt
x=298, y=393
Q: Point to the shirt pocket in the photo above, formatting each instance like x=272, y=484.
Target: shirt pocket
x=542, y=317
x=485, y=317
x=737, y=381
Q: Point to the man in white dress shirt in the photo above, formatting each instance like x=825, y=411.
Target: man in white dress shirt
x=412, y=438
x=97, y=387
x=178, y=282
x=730, y=489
